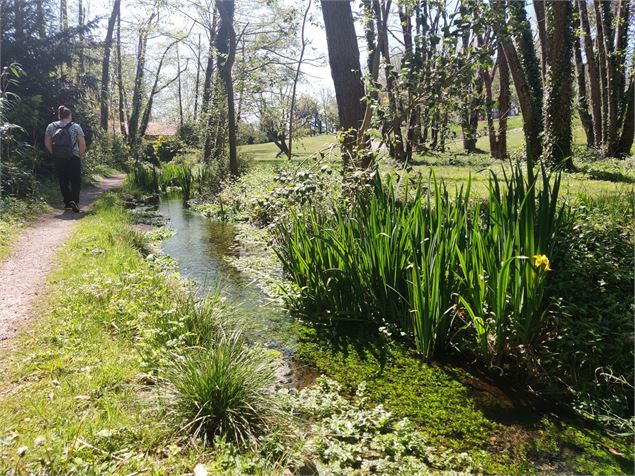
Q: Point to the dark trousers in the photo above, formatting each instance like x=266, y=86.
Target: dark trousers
x=69, y=174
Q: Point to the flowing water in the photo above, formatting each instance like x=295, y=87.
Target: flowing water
x=201, y=247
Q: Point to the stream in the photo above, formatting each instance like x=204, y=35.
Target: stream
x=201, y=247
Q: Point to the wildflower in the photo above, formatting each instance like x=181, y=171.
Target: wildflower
x=541, y=261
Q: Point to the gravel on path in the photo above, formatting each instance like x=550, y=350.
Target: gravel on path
x=23, y=273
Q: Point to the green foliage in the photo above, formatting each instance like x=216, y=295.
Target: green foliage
x=189, y=134
x=452, y=408
x=417, y=264
x=145, y=178
x=83, y=385
x=18, y=158
x=106, y=150
x=590, y=355
x=505, y=261
x=165, y=148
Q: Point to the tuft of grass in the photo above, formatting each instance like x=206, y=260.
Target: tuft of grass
x=224, y=389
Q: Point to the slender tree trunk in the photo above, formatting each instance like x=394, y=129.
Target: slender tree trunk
x=593, y=71
x=209, y=69
x=180, y=91
x=557, y=128
x=208, y=90
x=147, y=112
x=241, y=87
x=346, y=73
x=41, y=19
x=227, y=47
x=296, y=77
x=604, y=21
x=489, y=104
x=601, y=60
x=122, y=99
x=198, y=77
x=80, y=21
x=583, y=103
x=541, y=22
x=137, y=93
x=105, y=68
x=628, y=128
x=63, y=15
x=504, y=104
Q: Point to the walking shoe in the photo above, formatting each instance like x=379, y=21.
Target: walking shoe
x=74, y=206
x=67, y=206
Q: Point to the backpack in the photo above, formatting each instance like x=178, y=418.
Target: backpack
x=62, y=142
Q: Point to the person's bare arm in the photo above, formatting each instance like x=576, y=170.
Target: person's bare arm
x=48, y=144
x=81, y=142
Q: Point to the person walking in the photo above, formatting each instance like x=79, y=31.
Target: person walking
x=64, y=140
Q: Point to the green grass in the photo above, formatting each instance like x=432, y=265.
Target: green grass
x=303, y=148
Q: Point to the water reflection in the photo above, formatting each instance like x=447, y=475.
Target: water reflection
x=201, y=246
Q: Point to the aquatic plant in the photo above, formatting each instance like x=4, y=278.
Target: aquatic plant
x=144, y=177
x=419, y=261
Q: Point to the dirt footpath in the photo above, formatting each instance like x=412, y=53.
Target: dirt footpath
x=23, y=274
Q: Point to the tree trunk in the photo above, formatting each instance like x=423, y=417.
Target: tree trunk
x=346, y=73
x=122, y=99
x=198, y=76
x=80, y=21
x=604, y=21
x=209, y=69
x=583, y=103
x=180, y=92
x=147, y=112
x=63, y=15
x=137, y=93
x=227, y=47
x=297, y=77
x=592, y=70
x=557, y=127
x=628, y=129
x=489, y=104
x=105, y=68
x=504, y=104
x=41, y=19
x=539, y=8
x=525, y=74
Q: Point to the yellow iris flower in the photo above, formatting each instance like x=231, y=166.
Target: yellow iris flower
x=541, y=261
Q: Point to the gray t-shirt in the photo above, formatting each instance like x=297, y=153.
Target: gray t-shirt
x=75, y=131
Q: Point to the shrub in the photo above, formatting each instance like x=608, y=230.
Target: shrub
x=108, y=150
x=589, y=355
x=189, y=134
x=166, y=148
x=224, y=389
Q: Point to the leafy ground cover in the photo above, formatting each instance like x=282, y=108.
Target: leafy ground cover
x=501, y=433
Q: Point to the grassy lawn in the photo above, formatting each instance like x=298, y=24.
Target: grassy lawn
x=456, y=167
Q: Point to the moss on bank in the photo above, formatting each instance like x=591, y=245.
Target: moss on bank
x=458, y=410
